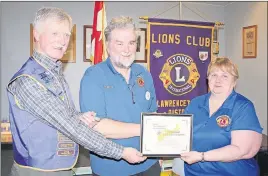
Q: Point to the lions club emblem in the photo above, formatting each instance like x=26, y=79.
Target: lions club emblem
x=140, y=81
x=223, y=121
x=179, y=74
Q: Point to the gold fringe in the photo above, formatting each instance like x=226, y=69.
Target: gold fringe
x=144, y=18
x=217, y=23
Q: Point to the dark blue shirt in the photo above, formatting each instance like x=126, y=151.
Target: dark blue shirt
x=105, y=91
x=236, y=113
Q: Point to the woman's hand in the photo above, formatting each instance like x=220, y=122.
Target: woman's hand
x=160, y=162
x=191, y=157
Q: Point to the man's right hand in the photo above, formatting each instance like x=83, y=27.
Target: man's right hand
x=132, y=155
x=89, y=118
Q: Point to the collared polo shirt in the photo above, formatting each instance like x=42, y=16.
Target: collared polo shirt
x=236, y=113
x=105, y=91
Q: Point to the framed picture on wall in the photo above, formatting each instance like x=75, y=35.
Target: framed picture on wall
x=87, y=43
x=141, y=51
x=249, y=41
x=70, y=55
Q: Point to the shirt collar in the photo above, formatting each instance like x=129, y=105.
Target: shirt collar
x=228, y=103
x=110, y=66
x=48, y=62
x=133, y=67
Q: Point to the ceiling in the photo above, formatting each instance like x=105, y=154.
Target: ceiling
x=219, y=3
x=214, y=3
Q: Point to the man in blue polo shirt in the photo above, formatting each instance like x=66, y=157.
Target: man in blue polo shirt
x=119, y=90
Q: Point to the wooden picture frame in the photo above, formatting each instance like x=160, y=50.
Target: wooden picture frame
x=87, y=31
x=249, y=38
x=141, y=51
x=70, y=55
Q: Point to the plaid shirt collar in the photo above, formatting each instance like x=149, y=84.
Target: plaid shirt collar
x=48, y=62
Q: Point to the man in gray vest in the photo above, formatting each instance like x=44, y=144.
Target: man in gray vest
x=46, y=127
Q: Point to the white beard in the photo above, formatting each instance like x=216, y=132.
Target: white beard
x=123, y=63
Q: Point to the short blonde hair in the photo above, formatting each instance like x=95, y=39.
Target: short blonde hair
x=224, y=64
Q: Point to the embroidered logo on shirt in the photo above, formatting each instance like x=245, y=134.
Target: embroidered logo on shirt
x=46, y=77
x=223, y=121
x=140, y=81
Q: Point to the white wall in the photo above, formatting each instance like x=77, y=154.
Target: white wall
x=17, y=16
x=253, y=72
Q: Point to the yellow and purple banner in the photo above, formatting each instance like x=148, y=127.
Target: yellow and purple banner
x=178, y=56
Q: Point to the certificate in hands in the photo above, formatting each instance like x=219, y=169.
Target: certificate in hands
x=165, y=135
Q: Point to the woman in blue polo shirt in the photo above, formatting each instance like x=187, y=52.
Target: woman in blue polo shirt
x=226, y=131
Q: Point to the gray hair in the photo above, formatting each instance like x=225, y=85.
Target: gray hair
x=118, y=23
x=45, y=13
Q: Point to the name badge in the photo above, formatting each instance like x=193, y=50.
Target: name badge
x=147, y=95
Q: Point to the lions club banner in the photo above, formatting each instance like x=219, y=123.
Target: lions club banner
x=179, y=54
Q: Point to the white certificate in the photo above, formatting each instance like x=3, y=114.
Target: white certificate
x=165, y=135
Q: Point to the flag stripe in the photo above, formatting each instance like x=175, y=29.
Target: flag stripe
x=99, y=24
